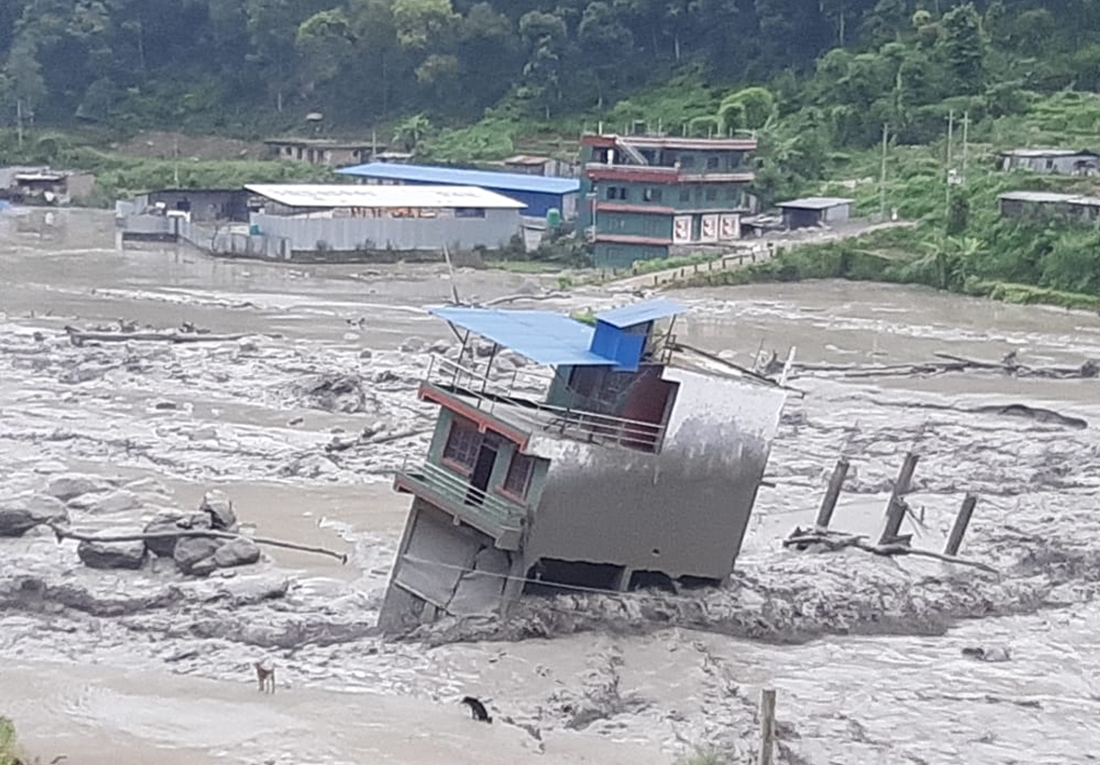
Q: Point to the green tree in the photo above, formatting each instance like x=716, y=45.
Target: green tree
x=24, y=86
x=324, y=41
x=963, y=47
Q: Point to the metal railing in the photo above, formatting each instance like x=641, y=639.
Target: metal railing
x=467, y=498
x=578, y=424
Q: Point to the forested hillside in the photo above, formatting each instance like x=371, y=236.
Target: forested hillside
x=239, y=64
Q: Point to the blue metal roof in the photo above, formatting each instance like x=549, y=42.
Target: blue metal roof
x=640, y=313
x=542, y=336
x=484, y=178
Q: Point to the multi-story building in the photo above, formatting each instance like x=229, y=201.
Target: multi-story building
x=642, y=195
x=612, y=458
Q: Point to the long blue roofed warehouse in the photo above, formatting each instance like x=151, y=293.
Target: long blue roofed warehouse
x=539, y=193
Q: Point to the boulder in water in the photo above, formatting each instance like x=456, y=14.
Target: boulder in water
x=988, y=653
x=115, y=502
x=238, y=552
x=220, y=509
x=96, y=554
x=69, y=487
x=168, y=522
x=191, y=551
x=18, y=516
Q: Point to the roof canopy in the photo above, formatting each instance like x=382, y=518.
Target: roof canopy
x=815, y=203
x=325, y=196
x=486, y=179
x=554, y=339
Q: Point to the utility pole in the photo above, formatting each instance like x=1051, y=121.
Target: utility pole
x=966, y=141
x=882, y=174
x=19, y=121
x=176, y=161
x=950, y=139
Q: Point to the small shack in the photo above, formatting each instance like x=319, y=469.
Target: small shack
x=815, y=211
x=203, y=205
x=1051, y=161
x=1048, y=205
x=44, y=186
x=319, y=218
x=532, y=164
x=319, y=151
x=537, y=194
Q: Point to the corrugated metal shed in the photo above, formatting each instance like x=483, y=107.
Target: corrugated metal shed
x=425, y=197
x=814, y=203
x=542, y=336
x=640, y=313
x=1044, y=153
x=448, y=175
x=1048, y=197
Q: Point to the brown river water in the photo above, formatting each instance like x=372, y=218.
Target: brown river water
x=132, y=679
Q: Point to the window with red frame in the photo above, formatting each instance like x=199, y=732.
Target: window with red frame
x=462, y=444
x=519, y=475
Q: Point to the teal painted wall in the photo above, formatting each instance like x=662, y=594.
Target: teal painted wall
x=608, y=255
x=634, y=224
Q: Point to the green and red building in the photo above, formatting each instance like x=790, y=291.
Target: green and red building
x=643, y=196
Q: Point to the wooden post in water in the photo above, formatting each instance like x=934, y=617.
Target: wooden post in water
x=895, y=510
x=832, y=494
x=767, y=727
x=962, y=520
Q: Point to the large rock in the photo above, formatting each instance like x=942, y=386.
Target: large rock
x=239, y=552
x=220, y=510
x=18, y=516
x=68, y=487
x=191, y=551
x=96, y=554
x=168, y=522
x=115, y=502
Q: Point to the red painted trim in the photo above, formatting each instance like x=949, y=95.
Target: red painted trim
x=632, y=173
x=644, y=209
x=599, y=141
x=626, y=239
x=483, y=420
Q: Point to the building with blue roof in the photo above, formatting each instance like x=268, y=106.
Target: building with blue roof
x=538, y=193
x=575, y=454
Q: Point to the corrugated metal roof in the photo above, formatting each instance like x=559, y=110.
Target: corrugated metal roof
x=815, y=203
x=1037, y=196
x=431, y=197
x=484, y=178
x=1041, y=153
x=542, y=336
x=640, y=313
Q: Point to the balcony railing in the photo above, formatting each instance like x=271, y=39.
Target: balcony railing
x=489, y=512
x=500, y=397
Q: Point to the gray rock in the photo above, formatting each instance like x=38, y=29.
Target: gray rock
x=172, y=521
x=68, y=487
x=412, y=345
x=366, y=354
x=97, y=554
x=441, y=346
x=190, y=551
x=239, y=552
x=204, y=567
x=115, y=502
x=18, y=516
x=220, y=510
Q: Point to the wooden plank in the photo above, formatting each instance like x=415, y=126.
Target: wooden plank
x=832, y=494
x=962, y=520
x=895, y=509
x=767, y=727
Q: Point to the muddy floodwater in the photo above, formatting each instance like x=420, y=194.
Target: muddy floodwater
x=137, y=666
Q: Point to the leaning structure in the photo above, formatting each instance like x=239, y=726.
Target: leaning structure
x=630, y=462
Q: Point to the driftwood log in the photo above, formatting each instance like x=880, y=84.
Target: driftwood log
x=948, y=362
x=833, y=541
x=80, y=336
x=63, y=532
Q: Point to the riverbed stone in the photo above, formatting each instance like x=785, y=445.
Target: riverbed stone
x=217, y=505
x=69, y=487
x=238, y=552
x=20, y=515
x=126, y=555
x=116, y=502
x=190, y=551
x=169, y=521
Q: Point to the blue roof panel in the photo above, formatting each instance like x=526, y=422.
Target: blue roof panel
x=544, y=337
x=484, y=178
x=640, y=313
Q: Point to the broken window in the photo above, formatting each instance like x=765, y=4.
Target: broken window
x=652, y=195
x=462, y=444
x=712, y=163
x=519, y=475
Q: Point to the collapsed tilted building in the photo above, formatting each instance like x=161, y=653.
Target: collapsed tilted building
x=632, y=461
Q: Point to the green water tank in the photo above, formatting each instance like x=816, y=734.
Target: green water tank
x=553, y=217
x=254, y=229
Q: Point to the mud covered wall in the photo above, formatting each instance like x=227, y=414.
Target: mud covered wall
x=683, y=511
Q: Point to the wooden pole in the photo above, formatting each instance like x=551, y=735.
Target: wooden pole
x=962, y=520
x=832, y=494
x=882, y=173
x=895, y=510
x=767, y=727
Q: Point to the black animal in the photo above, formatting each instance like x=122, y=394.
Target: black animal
x=477, y=709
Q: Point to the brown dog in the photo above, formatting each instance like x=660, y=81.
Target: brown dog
x=265, y=673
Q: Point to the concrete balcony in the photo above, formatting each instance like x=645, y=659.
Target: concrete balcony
x=492, y=514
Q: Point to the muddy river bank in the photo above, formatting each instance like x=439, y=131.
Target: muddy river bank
x=302, y=422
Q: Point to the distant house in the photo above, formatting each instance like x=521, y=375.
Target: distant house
x=538, y=195
x=203, y=205
x=815, y=211
x=318, y=151
x=530, y=164
x=1055, y=161
x=41, y=185
x=1046, y=205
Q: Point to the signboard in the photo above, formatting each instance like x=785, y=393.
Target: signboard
x=729, y=228
x=681, y=229
x=708, y=231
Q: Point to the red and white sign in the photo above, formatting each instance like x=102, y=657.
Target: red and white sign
x=708, y=231
x=729, y=228
x=681, y=229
